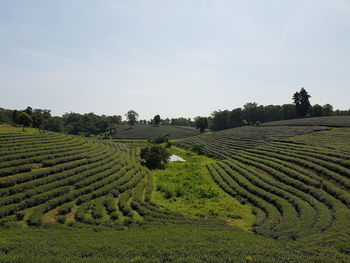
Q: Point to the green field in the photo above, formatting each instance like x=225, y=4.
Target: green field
x=331, y=121
x=152, y=132
x=267, y=194
x=223, y=144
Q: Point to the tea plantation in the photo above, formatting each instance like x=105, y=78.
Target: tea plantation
x=267, y=194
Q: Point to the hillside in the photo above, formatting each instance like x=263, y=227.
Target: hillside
x=276, y=195
x=152, y=132
x=51, y=177
x=224, y=143
x=330, y=121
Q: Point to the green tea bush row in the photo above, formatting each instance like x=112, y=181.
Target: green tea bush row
x=75, y=175
x=41, y=158
x=327, y=186
x=123, y=204
x=15, y=170
x=65, y=209
x=310, y=209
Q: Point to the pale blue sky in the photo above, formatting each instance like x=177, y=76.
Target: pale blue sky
x=175, y=58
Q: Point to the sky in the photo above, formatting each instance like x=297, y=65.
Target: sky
x=176, y=58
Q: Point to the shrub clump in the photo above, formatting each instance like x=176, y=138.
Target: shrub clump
x=155, y=157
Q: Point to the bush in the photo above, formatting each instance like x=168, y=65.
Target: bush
x=161, y=139
x=198, y=148
x=155, y=157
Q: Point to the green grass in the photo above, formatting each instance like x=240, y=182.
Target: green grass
x=187, y=187
x=14, y=129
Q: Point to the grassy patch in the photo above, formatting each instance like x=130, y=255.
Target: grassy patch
x=9, y=128
x=187, y=187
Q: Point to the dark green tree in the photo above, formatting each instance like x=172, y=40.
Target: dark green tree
x=15, y=116
x=132, y=116
x=302, y=103
x=317, y=110
x=25, y=119
x=40, y=117
x=327, y=109
x=155, y=157
x=201, y=123
x=297, y=101
x=156, y=119
x=54, y=124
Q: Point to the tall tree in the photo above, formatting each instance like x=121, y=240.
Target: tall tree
x=132, y=116
x=304, y=102
x=297, y=101
x=156, y=119
x=201, y=123
x=25, y=119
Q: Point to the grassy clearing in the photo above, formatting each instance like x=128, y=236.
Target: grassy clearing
x=9, y=128
x=187, y=187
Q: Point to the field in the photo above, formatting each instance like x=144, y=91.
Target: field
x=224, y=143
x=331, y=121
x=266, y=194
x=152, y=132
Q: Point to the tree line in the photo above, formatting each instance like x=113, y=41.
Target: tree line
x=92, y=124
x=252, y=113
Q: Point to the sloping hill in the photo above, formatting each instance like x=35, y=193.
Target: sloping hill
x=296, y=177
x=51, y=177
x=330, y=121
x=152, y=132
x=223, y=144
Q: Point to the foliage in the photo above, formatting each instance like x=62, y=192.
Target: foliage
x=155, y=157
x=201, y=123
x=181, y=122
x=132, y=116
x=198, y=148
x=164, y=138
x=302, y=103
x=25, y=119
x=156, y=119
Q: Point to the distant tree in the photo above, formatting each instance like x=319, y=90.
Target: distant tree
x=252, y=112
x=302, y=103
x=163, y=138
x=288, y=112
x=305, y=103
x=40, y=117
x=198, y=148
x=156, y=119
x=132, y=116
x=317, y=110
x=201, y=123
x=15, y=117
x=25, y=119
x=112, y=130
x=29, y=111
x=155, y=157
x=166, y=121
x=54, y=124
x=181, y=121
x=297, y=101
x=327, y=109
